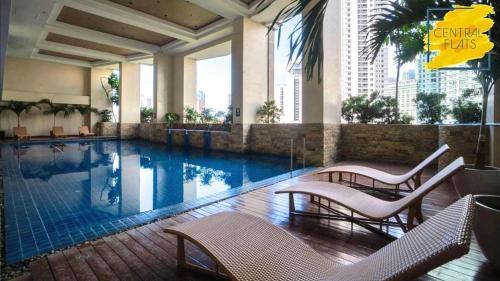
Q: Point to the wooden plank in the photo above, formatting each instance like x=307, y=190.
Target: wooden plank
x=80, y=268
x=97, y=264
x=60, y=267
x=119, y=267
x=135, y=263
x=40, y=270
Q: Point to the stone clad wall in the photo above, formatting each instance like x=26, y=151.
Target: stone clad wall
x=329, y=143
x=407, y=144
x=321, y=141
x=462, y=140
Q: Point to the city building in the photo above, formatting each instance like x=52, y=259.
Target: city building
x=449, y=82
x=371, y=76
x=200, y=101
x=407, y=93
x=349, y=48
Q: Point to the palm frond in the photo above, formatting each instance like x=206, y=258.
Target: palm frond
x=306, y=39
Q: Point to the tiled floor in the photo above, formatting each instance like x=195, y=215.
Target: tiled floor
x=146, y=253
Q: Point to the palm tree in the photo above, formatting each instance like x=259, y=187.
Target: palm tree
x=306, y=40
x=84, y=110
x=56, y=108
x=397, y=15
x=408, y=42
x=18, y=107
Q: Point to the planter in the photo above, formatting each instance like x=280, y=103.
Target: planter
x=474, y=181
x=487, y=227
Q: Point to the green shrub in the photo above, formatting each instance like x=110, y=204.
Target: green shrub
x=170, y=118
x=191, y=115
x=147, y=114
x=106, y=115
x=269, y=113
x=431, y=108
x=465, y=110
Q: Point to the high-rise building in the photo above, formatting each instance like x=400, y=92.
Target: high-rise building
x=449, y=82
x=371, y=76
x=407, y=93
x=349, y=48
x=200, y=101
x=297, y=91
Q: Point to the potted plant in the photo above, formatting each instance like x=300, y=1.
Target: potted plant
x=18, y=107
x=56, y=108
x=170, y=118
x=269, y=113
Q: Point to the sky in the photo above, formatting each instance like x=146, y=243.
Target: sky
x=213, y=76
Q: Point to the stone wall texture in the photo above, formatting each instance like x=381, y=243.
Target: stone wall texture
x=329, y=143
x=408, y=144
x=107, y=129
x=129, y=130
x=321, y=141
x=462, y=140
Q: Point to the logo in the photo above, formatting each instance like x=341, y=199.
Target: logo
x=461, y=36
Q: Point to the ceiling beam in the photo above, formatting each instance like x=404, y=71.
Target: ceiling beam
x=267, y=15
x=229, y=9
x=120, y=13
x=77, y=51
x=61, y=60
x=101, y=37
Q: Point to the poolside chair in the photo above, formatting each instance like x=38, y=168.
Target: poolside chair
x=85, y=132
x=383, y=177
x=245, y=247
x=371, y=209
x=21, y=132
x=58, y=132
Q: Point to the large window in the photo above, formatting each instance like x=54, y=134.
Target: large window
x=213, y=83
x=146, y=85
x=287, y=77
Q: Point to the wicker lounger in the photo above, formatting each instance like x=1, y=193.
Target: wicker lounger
x=372, y=209
x=21, y=132
x=380, y=176
x=85, y=132
x=58, y=132
x=245, y=247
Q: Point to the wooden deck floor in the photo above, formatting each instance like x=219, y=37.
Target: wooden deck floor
x=146, y=253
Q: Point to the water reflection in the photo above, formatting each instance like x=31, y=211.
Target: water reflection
x=129, y=177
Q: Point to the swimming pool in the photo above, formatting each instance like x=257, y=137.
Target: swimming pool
x=59, y=196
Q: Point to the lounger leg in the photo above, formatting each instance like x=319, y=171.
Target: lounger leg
x=411, y=216
x=181, y=253
x=291, y=203
x=340, y=177
x=418, y=180
x=330, y=177
x=418, y=212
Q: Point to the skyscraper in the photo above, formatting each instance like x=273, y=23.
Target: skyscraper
x=449, y=82
x=297, y=91
x=349, y=48
x=371, y=76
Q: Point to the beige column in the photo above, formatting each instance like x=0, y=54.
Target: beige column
x=494, y=117
x=130, y=93
x=184, y=86
x=98, y=97
x=163, y=86
x=249, y=56
x=321, y=102
x=270, y=66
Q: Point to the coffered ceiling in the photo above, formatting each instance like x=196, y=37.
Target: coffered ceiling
x=98, y=32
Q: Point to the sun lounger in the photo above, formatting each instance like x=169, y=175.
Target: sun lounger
x=245, y=247
x=380, y=176
x=58, y=132
x=85, y=132
x=371, y=209
x=21, y=132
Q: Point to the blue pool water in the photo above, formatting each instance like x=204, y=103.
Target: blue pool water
x=57, y=197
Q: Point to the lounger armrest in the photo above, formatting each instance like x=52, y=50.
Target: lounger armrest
x=442, y=238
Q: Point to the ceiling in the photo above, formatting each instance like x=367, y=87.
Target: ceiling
x=104, y=32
